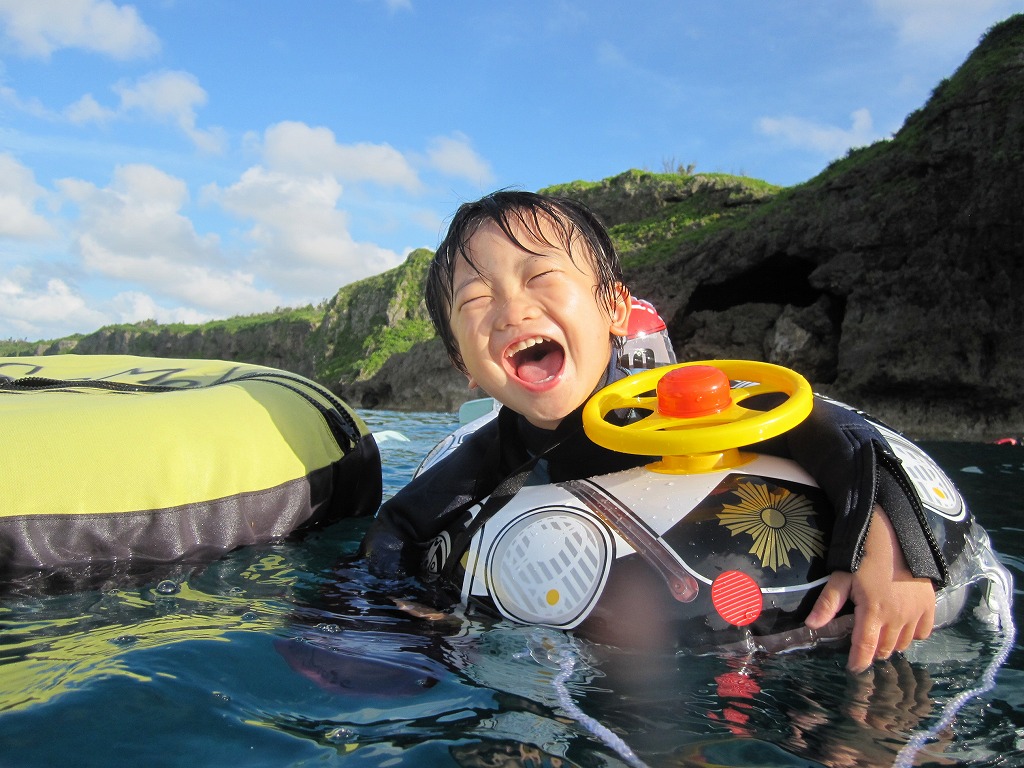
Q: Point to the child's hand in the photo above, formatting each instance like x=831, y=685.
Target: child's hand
x=891, y=607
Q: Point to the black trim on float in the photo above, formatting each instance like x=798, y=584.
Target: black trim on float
x=337, y=417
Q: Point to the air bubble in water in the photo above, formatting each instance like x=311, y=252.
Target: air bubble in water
x=341, y=735
x=168, y=587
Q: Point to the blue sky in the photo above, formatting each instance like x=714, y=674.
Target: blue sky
x=186, y=160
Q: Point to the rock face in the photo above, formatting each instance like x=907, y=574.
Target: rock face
x=283, y=343
x=894, y=279
x=369, y=324
x=421, y=379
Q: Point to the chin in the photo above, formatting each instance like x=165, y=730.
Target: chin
x=547, y=419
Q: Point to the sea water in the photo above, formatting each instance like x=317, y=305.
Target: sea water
x=290, y=654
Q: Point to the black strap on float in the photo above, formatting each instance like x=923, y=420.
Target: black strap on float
x=337, y=416
x=512, y=483
x=341, y=424
x=39, y=383
x=492, y=504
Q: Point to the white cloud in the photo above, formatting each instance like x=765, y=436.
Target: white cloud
x=44, y=311
x=298, y=199
x=40, y=27
x=133, y=306
x=825, y=139
x=31, y=106
x=18, y=196
x=296, y=148
x=88, y=110
x=949, y=25
x=50, y=309
x=301, y=237
x=169, y=96
x=172, y=97
x=455, y=156
x=427, y=219
x=133, y=231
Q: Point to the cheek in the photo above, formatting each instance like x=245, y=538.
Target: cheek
x=468, y=336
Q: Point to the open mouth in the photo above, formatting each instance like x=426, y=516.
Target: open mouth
x=536, y=360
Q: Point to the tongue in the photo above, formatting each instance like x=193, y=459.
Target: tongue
x=538, y=363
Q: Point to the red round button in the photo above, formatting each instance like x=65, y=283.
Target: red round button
x=693, y=390
x=737, y=598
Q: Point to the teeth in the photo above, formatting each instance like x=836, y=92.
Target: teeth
x=524, y=344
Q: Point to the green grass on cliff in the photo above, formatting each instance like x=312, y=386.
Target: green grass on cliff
x=391, y=340
x=19, y=348
x=714, y=201
x=997, y=51
x=307, y=314
x=369, y=321
x=144, y=333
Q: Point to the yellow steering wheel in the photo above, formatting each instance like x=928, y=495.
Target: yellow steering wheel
x=695, y=411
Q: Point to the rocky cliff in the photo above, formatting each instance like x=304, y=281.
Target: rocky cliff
x=892, y=280
x=366, y=335
x=280, y=339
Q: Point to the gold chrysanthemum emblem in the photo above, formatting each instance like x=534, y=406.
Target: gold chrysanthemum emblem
x=778, y=522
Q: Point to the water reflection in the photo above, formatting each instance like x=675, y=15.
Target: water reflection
x=289, y=654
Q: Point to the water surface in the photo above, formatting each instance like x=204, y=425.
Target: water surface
x=288, y=655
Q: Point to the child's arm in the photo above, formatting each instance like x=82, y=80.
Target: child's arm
x=401, y=534
x=892, y=607
x=886, y=562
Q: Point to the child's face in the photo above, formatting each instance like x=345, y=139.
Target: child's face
x=529, y=327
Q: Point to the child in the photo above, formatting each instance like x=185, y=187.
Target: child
x=526, y=292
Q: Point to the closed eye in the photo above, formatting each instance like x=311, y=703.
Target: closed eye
x=543, y=275
x=472, y=299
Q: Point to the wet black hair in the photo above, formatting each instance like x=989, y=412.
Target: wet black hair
x=513, y=210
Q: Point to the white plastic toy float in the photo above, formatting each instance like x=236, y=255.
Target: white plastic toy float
x=119, y=459
x=712, y=546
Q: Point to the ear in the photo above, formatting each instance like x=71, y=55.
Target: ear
x=621, y=310
x=471, y=382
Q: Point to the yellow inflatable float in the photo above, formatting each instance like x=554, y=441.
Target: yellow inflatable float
x=118, y=458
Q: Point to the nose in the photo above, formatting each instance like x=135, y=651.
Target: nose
x=517, y=307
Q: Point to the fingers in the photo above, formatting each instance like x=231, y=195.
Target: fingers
x=926, y=623
x=864, y=643
x=892, y=607
x=904, y=638
x=832, y=598
x=892, y=639
x=873, y=639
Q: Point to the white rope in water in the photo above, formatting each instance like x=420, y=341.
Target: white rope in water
x=905, y=759
x=566, y=665
x=906, y=756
